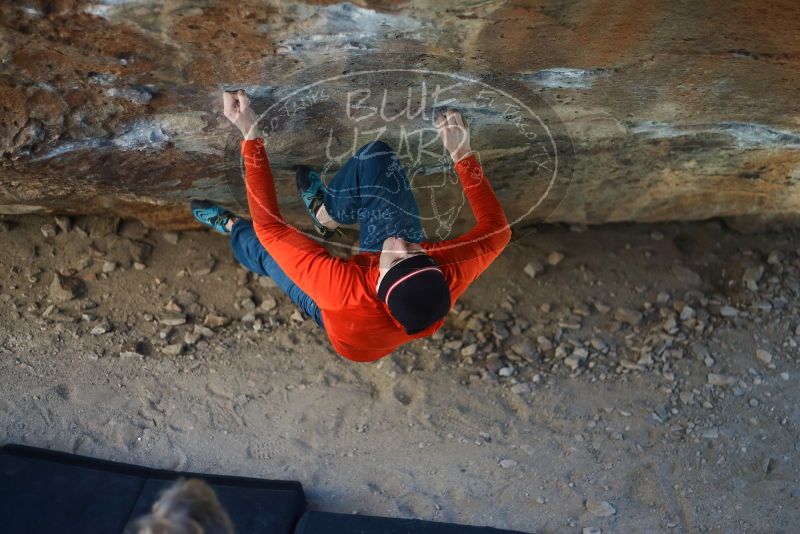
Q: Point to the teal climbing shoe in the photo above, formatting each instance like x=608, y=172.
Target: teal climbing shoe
x=212, y=215
x=312, y=193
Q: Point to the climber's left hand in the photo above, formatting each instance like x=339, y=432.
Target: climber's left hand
x=454, y=131
x=236, y=106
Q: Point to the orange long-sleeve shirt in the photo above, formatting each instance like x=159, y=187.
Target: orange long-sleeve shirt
x=358, y=324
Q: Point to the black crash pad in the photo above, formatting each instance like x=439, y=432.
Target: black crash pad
x=44, y=491
x=325, y=523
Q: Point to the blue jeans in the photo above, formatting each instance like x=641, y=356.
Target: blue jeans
x=249, y=251
x=371, y=189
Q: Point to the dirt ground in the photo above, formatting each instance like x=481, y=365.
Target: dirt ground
x=645, y=382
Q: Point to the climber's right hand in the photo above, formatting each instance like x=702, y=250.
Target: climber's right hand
x=236, y=107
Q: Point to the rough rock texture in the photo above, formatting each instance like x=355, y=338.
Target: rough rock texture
x=587, y=112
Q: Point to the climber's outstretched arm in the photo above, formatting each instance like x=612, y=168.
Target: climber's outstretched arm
x=329, y=281
x=467, y=256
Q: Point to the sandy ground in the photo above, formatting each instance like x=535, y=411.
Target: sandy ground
x=637, y=385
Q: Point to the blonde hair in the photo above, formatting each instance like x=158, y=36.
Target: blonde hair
x=188, y=507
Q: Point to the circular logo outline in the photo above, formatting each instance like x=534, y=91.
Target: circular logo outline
x=554, y=175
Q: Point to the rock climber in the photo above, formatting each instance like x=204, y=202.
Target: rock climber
x=399, y=286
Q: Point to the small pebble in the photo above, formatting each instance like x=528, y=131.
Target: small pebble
x=173, y=350
x=170, y=237
x=600, y=508
x=99, y=330
x=554, y=258
x=721, y=380
x=48, y=230
x=64, y=223
x=533, y=268
x=764, y=356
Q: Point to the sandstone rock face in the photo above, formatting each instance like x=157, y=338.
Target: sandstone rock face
x=585, y=112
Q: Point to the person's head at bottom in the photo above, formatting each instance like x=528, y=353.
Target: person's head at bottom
x=188, y=507
x=412, y=285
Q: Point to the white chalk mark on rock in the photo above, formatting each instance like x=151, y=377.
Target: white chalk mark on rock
x=184, y=130
x=743, y=134
x=341, y=27
x=565, y=78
